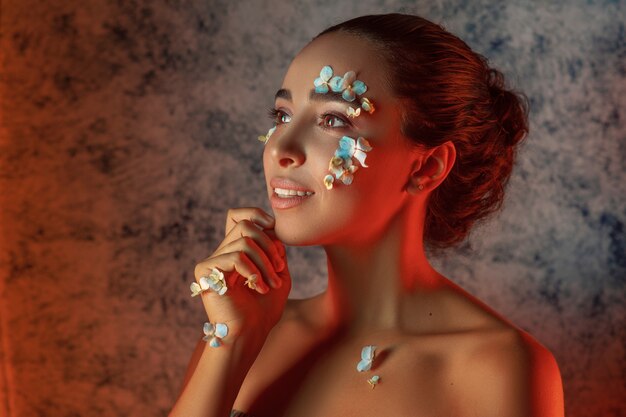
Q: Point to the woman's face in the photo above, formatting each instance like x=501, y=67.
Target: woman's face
x=309, y=127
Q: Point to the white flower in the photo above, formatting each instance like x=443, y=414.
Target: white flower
x=351, y=112
x=215, y=281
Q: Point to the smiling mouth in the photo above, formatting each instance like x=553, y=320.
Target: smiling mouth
x=284, y=193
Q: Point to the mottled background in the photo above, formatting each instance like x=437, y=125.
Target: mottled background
x=129, y=128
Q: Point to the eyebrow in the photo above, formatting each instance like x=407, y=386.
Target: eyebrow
x=313, y=96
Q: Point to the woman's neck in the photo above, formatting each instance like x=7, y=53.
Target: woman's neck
x=370, y=284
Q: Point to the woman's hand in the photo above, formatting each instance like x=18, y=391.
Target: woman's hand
x=249, y=247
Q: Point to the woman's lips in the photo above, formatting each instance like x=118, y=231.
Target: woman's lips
x=291, y=201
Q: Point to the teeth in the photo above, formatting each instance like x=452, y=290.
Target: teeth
x=281, y=192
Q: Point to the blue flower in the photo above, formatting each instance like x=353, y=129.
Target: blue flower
x=341, y=165
x=348, y=85
x=321, y=83
x=214, y=333
x=348, y=148
x=367, y=357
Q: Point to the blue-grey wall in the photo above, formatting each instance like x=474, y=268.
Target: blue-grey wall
x=129, y=128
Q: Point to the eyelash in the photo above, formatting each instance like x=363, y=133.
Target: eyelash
x=275, y=114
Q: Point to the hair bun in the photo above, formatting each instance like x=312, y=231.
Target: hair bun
x=510, y=109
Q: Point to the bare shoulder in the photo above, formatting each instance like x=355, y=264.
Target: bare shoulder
x=489, y=365
x=508, y=372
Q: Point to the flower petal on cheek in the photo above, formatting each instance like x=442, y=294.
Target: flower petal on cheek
x=360, y=155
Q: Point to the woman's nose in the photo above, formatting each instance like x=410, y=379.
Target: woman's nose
x=287, y=150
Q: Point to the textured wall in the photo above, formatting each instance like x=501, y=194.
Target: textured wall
x=129, y=128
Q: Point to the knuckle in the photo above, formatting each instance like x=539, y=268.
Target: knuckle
x=246, y=224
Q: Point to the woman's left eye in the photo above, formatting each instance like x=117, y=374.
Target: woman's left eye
x=329, y=118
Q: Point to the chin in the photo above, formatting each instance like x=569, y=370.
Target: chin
x=296, y=235
x=311, y=232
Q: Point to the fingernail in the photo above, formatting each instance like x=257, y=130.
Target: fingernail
x=263, y=288
x=272, y=282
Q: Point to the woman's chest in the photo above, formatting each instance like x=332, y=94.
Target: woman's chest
x=411, y=382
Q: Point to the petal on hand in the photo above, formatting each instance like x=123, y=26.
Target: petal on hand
x=205, y=284
x=221, y=329
x=208, y=329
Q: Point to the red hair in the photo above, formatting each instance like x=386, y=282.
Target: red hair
x=449, y=92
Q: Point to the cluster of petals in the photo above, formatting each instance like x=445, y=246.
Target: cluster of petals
x=365, y=364
x=215, y=281
x=213, y=333
x=348, y=86
x=341, y=165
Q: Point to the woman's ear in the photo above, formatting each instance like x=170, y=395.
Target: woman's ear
x=428, y=175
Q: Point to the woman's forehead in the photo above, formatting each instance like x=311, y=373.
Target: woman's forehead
x=343, y=53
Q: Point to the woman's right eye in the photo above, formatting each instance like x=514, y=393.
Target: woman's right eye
x=278, y=116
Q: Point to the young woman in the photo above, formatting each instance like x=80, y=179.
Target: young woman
x=399, y=137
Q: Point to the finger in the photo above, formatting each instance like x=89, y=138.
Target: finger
x=251, y=248
x=254, y=214
x=262, y=238
x=277, y=242
x=237, y=262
